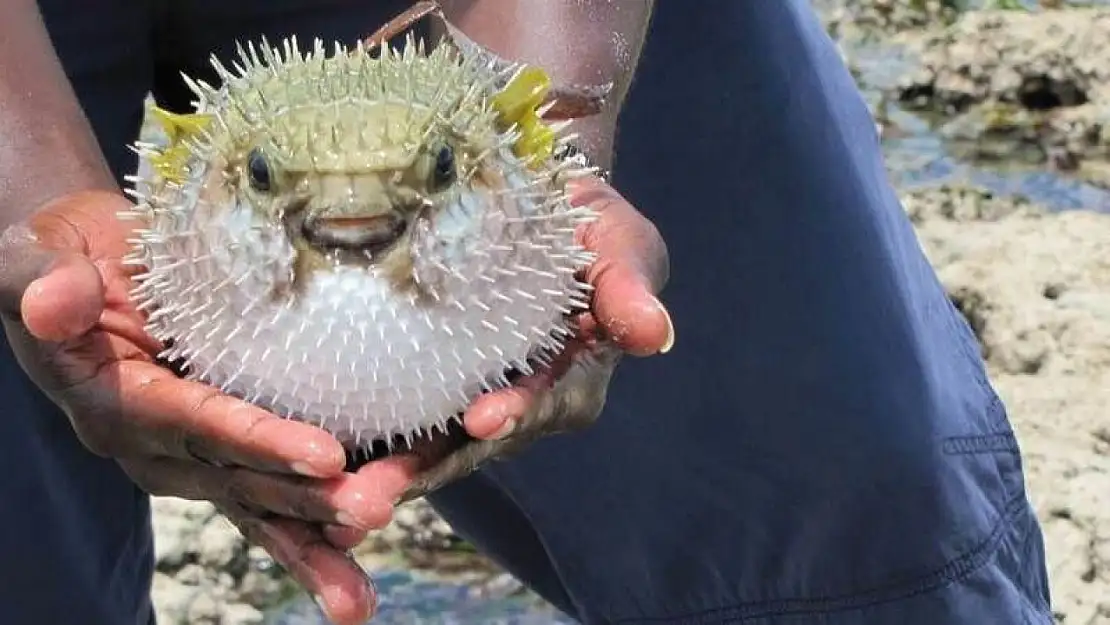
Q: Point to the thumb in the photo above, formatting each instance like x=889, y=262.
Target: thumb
x=47, y=282
x=631, y=267
x=66, y=301
x=625, y=307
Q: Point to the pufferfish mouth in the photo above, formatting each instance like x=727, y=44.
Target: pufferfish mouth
x=369, y=234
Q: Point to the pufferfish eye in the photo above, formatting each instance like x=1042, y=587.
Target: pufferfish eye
x=443, y=173
x=258, y=171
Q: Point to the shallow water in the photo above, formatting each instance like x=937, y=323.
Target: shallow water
x=409, y=600
x=916, y=156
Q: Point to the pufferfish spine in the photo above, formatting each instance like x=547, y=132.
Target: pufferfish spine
x=489, y=271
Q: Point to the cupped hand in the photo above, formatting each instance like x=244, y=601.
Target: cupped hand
x=65, y=308
x=625, y=317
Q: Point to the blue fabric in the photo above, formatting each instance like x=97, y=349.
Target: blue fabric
x=822, y=446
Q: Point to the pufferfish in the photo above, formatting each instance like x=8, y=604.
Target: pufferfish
x=364, y=240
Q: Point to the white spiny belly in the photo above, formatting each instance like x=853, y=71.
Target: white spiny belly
x=351, y=356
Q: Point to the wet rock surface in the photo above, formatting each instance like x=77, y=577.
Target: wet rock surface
x=1017, y=85
x=1038, y=60
x=205, y=573
x=876, y=18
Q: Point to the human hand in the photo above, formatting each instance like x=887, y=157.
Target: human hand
x=625, y=317
x=66, y=310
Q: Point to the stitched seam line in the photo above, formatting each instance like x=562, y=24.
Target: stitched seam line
x=956, y=569
x=987, y=443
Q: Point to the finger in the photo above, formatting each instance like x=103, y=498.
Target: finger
x=496, y=415
x=630, y=315
x=385, y=479
x=65, y=302
x=631, y=267
x=335, y=501
x=531, y=407
x=344, y=538
x=362, y=500
x=168, y=416
x=342, y=589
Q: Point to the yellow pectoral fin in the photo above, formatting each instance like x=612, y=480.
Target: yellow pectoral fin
x=517, y=104
x=537, y=140
x=522, y=95
x=180, y=125
x=170, y=162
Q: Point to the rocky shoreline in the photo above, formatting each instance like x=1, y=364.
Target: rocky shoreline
x=1000, y=87
x=206, y=574
x=1016, y=85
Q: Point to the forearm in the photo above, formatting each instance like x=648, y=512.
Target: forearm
x=47, y=147
x=588, y=42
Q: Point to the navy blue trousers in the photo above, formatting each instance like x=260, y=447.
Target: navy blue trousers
x=822, y=446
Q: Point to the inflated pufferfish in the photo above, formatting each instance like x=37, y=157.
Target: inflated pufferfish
x=364, y=240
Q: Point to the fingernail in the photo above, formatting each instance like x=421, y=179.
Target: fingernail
x=371, y=588
x=506, y=429
x=347, y=519
x=319, y=458
x=669, y=342
x=305, y=469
